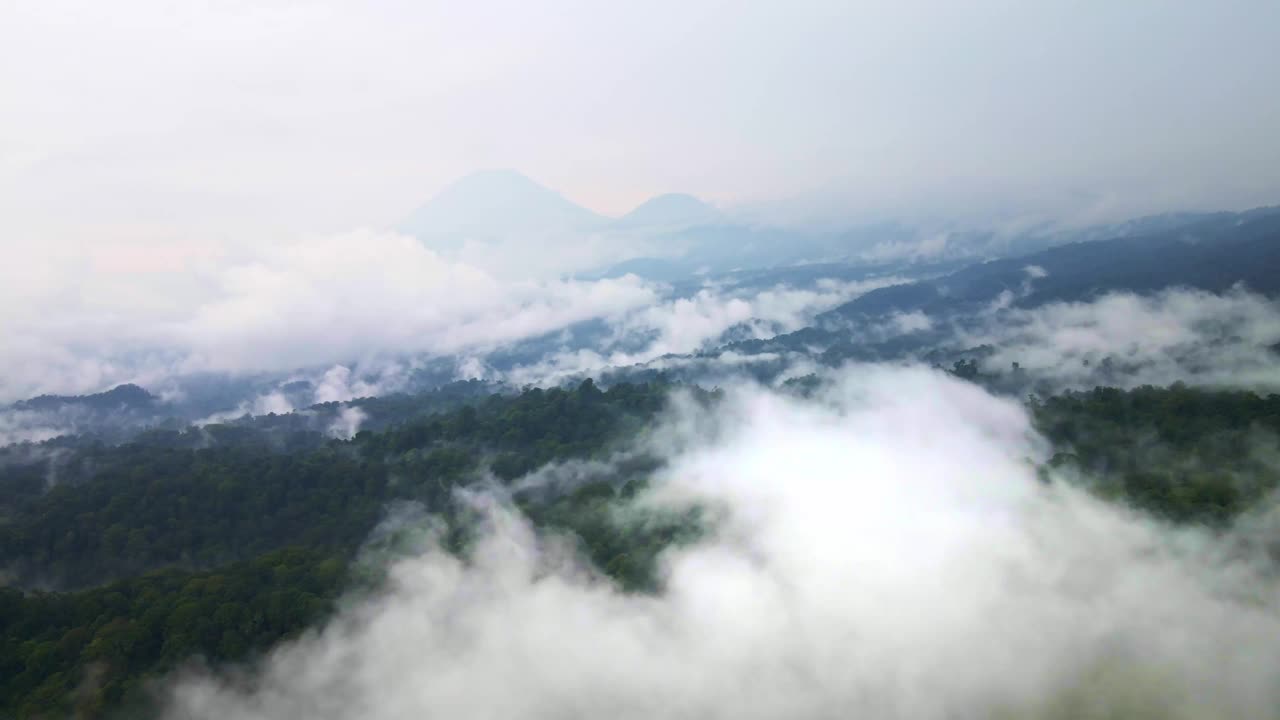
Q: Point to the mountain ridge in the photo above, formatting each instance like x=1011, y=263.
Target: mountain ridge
x=126, y=395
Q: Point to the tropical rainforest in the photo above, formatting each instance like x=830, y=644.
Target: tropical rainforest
x=211, y=545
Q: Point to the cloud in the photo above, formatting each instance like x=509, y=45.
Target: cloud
x=1127, y=340
x=263, y=404
x=910, y=322
x=348, y=422
x=29, y=426
x=928, y=247
x=354, y=315
x=363, y=297
x=885, y=552
x=366, y=294
x=699, y=322
x=338, y=385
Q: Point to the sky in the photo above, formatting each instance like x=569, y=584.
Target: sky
x=211, y=123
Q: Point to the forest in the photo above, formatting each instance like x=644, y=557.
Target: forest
x=208, y=546
x=1181, y=453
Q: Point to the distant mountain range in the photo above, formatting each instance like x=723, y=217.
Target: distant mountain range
x=1210, y=252
x=677, y=236
x=495, y=205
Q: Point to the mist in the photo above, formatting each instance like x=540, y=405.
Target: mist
x=1126, y=340
x=185, y=121
x=320, y=307
x=883, y=550
x=685, y=325
x=312, y=303
x=185, y=197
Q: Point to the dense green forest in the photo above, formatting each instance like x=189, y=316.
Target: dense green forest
x=86, y=652
x=207, y=496
x=218, y=542
x=1184, y=454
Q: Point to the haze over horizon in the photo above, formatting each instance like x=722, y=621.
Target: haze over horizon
x=185, y=124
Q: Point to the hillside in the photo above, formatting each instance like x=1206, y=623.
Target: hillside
x=1213, y=254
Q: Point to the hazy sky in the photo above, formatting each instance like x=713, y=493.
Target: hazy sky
x=159, y=121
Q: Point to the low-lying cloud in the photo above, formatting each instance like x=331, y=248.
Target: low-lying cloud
x=886, y=551
x=374, y=301
x=314, y=303
x=699, y=322
x=1125, y=340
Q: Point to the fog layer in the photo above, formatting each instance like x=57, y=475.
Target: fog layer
x=885, y=551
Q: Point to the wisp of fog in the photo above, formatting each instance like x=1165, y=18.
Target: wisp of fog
x=1126, y=339
x=885, y=550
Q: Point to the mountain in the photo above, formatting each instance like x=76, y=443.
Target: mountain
x=672, y=210
x=1212, y=254
x=495, y=205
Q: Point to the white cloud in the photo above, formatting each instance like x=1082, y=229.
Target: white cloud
x=690, y=324
x=337, y=385
x=368, y=294
x=910, y=322
x=348, y=422
x=262, y=404
x=25, y=426
x=886, y=553
x=361, y=297
x=1186, y=335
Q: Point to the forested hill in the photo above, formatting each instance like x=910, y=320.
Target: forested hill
x=221, y=549
x=229, y=547
x=122, y=396
x=1183, y=454
x=208, y=496
x=1211, y=254
x=123, y=413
